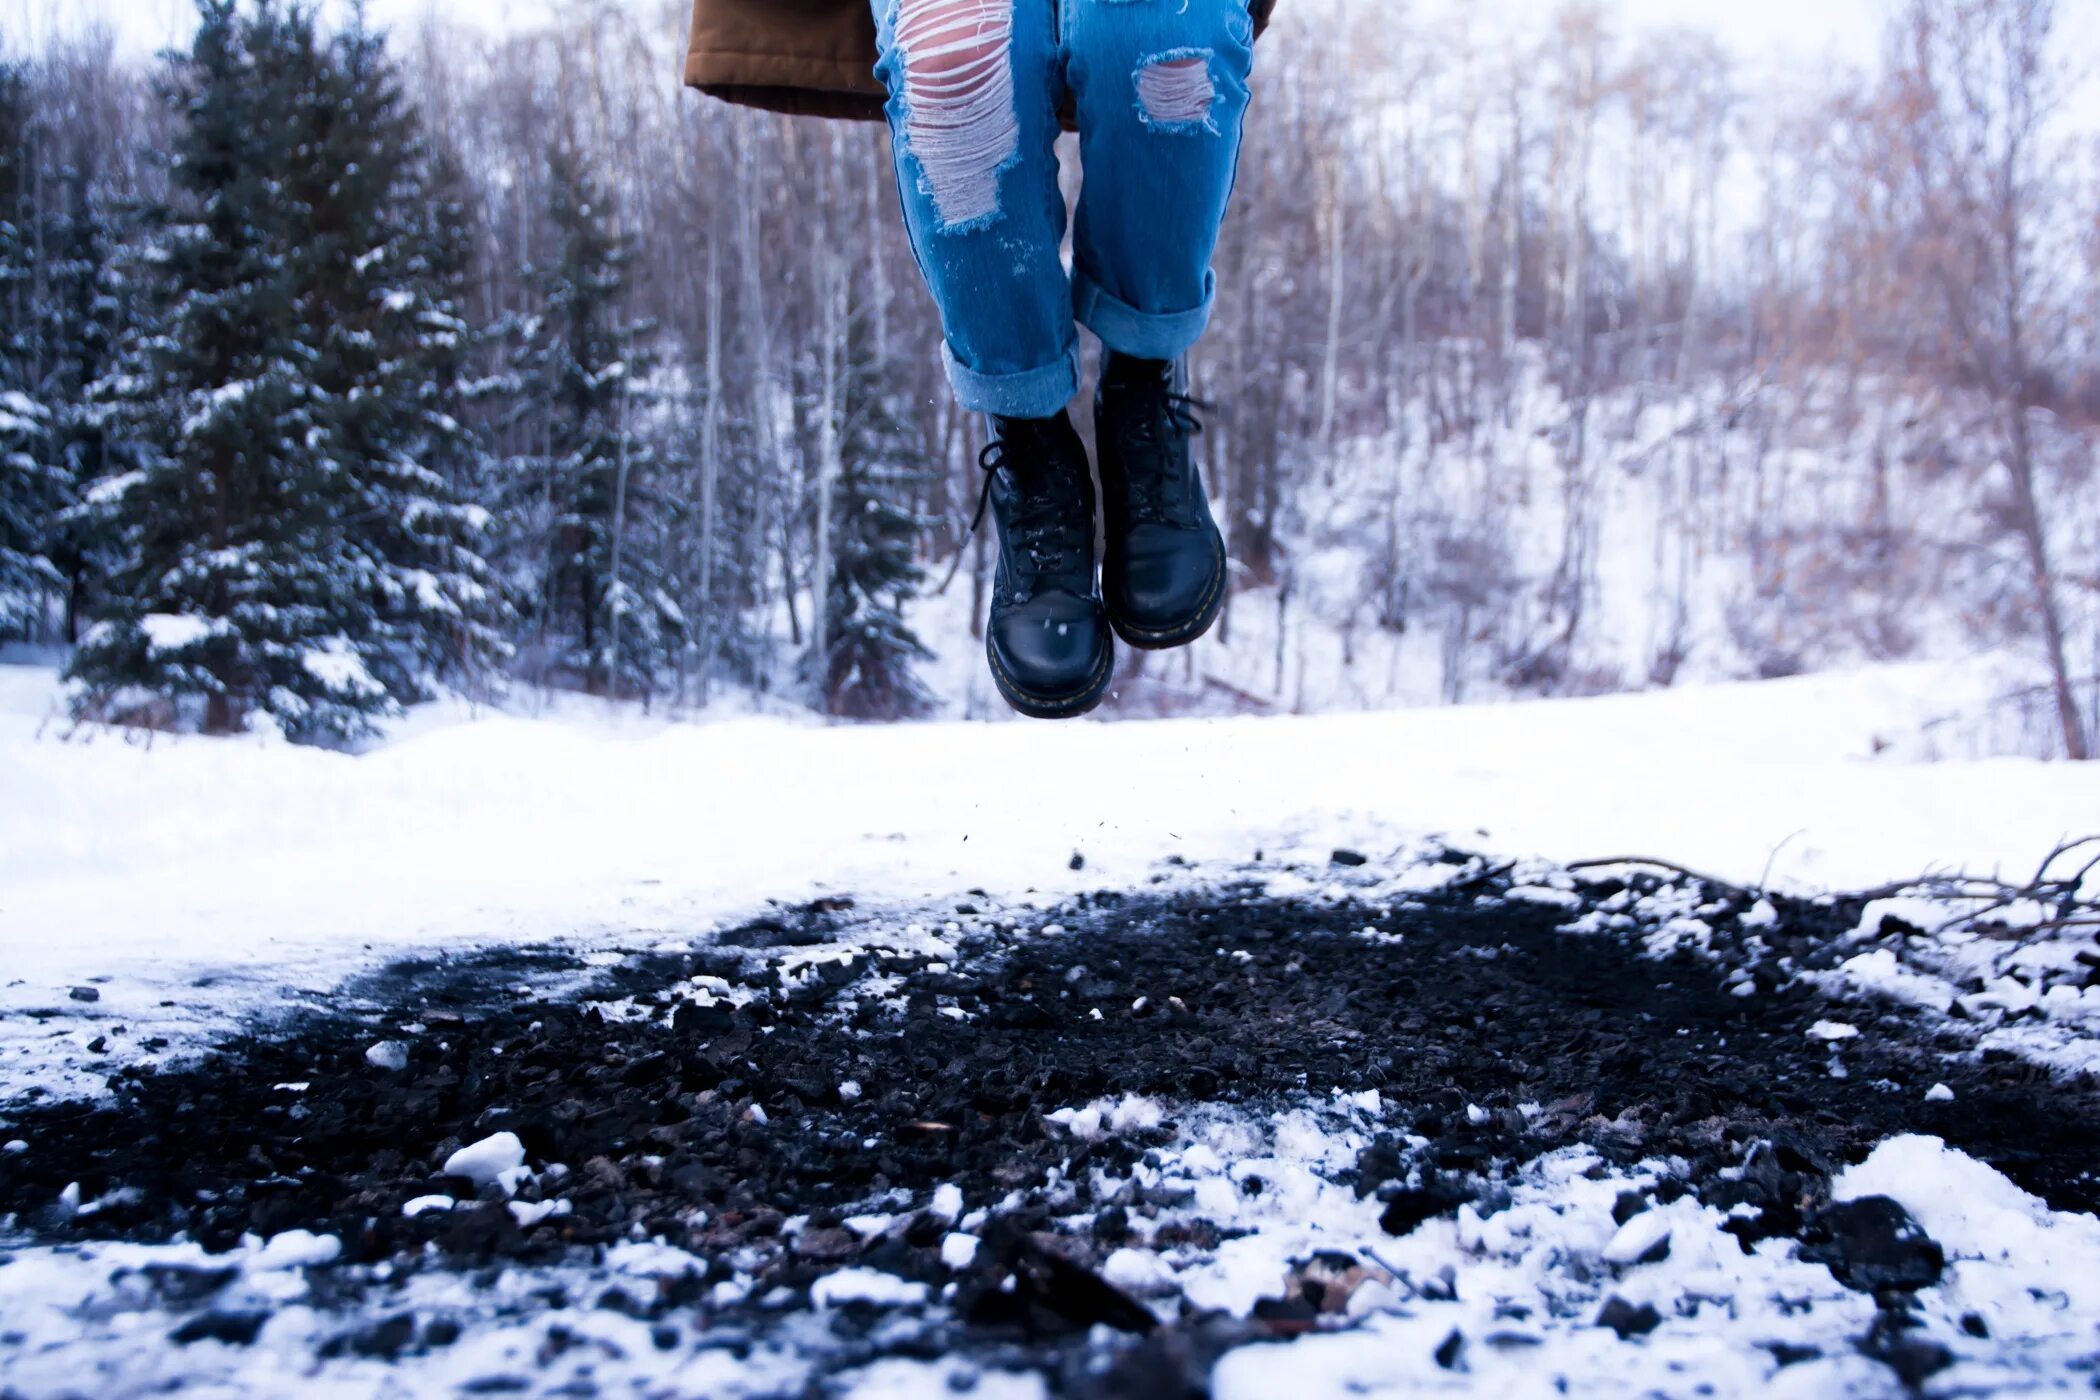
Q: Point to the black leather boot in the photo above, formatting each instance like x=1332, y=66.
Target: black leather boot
x=1049, y=644
x=1163, y=573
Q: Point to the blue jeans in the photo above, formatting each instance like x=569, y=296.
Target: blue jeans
x=1158, y=89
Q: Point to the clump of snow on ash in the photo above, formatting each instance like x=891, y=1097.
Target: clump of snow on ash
x=295, y=1249
x=1132, y=1114
x=865, y=1286
x=498, y=1159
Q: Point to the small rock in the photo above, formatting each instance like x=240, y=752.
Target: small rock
x=1409, y=1208
x=1627, y=1320
x=1872, y=1244
x=1914, y=1359
x=385, y=1341
x=234, y=1329
x=1451, y=1352
x=1078, y=861
x=85, y=994
x=1939, y=1093
x=184, y=1286
x=1345, y=856
x=1286, y=1317
x=389, y=1055
x=827, y=1246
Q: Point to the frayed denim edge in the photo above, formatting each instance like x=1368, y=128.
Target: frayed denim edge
x=1208, y=125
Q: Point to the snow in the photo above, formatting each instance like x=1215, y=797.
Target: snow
x=295, y=1249
x=1137, y=1271
x=495, y=1160
x=251, y=866
x=1522, y=1286
x=2026, y=1268
x=914, y=1380
x=338, y=666
x=531, y=1213
x=1637, y=1237
x=1106, y=1117
x=173, y=632
x=857, y=1285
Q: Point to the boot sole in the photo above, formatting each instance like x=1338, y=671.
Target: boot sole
x=1180, y=635
x=1036, y=705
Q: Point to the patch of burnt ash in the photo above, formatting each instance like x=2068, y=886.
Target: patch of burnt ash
x=753, y=1100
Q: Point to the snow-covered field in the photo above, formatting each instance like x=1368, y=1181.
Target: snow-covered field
x=162, y=891
x=275, y=869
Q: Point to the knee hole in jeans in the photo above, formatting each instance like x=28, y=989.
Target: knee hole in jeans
x=960, y=119
x=1175, y=90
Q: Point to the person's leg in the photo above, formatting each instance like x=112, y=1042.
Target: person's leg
x=1159, y=88
x=973, y=96
x=974, y=87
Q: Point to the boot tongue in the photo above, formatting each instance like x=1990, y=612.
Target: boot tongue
x=1127, y=374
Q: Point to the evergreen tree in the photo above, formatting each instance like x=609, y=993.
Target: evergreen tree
x=29, y=490
x=92, y=309
x=868, y=672
x=284, y=550
x=604, y=600
x=381, y=273
x=228, y=592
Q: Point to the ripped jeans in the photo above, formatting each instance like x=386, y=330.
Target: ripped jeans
x=1158, y=89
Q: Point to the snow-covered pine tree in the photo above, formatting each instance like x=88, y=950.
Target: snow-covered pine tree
x=452, y=347
x=92, y=309
x=238, y=591
x=30, y=491
x=380, y=269
x=283, y=548
x=869, y=670
x=604, y=601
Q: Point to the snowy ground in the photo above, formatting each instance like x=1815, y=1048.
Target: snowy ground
x=243, y=871
x=153, y=895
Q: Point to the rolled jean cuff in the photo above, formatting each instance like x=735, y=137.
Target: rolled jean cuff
x=1028, y=393
x=1146, y=335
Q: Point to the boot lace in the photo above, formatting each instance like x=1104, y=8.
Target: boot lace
x=1152, y=444
x=1042, y=526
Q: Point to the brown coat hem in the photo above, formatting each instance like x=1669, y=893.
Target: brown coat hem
x=790, y=83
